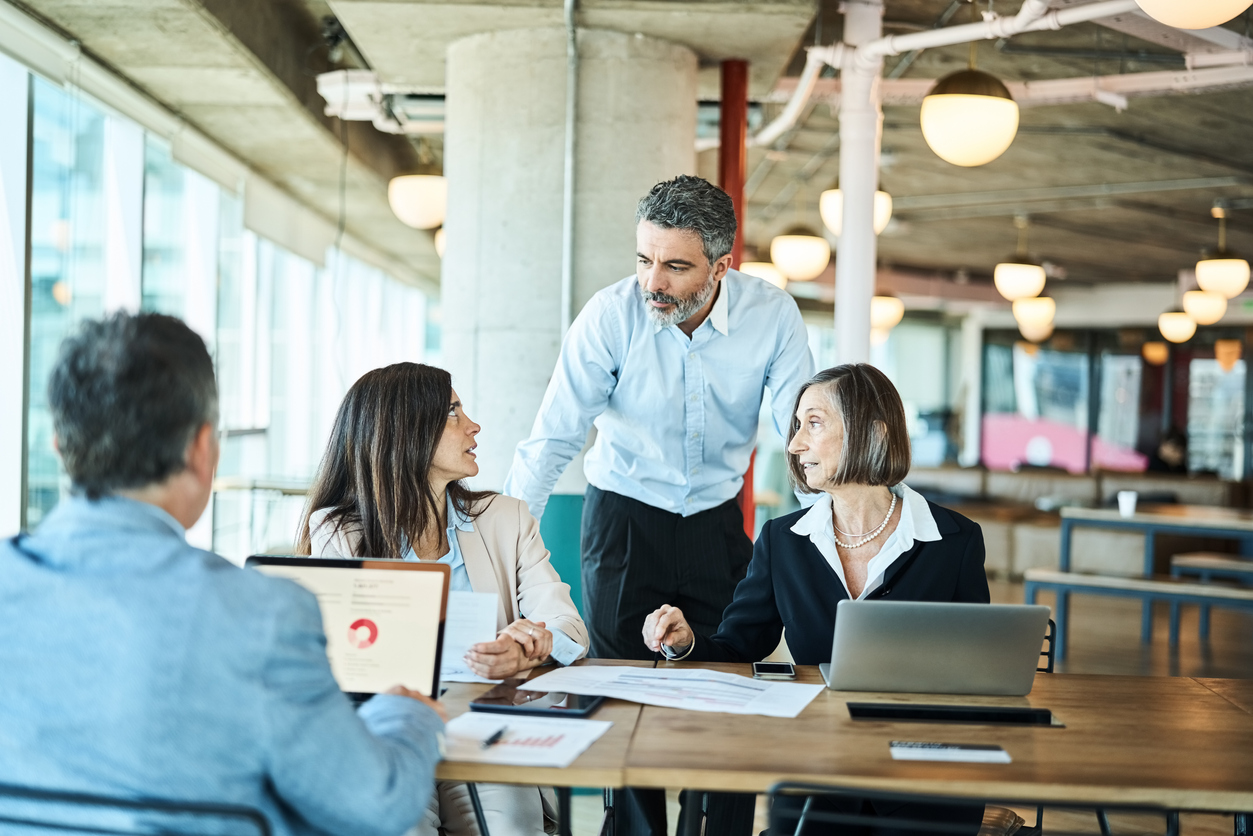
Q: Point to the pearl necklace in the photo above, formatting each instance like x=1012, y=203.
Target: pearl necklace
x=867, y=538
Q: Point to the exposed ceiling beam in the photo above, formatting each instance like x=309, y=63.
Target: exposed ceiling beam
x=938, y=201
x=909, y=92
x=1139, y=25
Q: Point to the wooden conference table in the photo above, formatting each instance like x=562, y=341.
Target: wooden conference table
x=1164, y=742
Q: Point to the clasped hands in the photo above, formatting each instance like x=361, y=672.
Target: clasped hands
x=522, y=645
x=666, y=625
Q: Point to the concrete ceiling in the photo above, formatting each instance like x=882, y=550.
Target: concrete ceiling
x=405, y=41
x=243, y=71
x=958, y=219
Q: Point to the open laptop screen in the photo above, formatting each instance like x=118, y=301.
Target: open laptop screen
x=384, y=619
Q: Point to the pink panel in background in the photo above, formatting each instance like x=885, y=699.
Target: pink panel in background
x=1010, y=441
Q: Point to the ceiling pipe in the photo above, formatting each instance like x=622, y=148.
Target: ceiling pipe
x=1034, y=17
x=567, y=207
x=816, y=58
x=861, y=135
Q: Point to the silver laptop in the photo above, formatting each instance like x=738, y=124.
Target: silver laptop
x=936, y=648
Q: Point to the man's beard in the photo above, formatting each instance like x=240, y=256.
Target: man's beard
x=684, y=308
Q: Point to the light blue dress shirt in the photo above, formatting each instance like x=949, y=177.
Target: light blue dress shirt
x=676, y=417
x=136, y=666
x=565, y=650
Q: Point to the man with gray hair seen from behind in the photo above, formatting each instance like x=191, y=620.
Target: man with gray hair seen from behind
x=670, y=364
x=138, y=667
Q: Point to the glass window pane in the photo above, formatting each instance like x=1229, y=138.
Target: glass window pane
x=1118, y=426
x=1048, y=426
x=180, y=245
x=1216, y=418
x=14, y=87
x=68, y=250
x=292, y=339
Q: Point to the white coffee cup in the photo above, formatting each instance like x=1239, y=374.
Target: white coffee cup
x=1127, y=503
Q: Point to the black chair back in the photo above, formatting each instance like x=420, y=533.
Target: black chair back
x=25, y=811
x=798, y=809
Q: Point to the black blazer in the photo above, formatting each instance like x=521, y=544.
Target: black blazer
x=790, y=584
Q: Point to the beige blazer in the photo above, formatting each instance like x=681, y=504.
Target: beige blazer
x=503, y=554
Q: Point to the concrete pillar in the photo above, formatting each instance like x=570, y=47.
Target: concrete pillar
x=861, y=132
x=504, y=155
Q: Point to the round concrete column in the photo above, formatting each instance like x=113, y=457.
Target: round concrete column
x=504, y=159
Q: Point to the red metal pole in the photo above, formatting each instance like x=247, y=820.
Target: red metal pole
x=732, y=154
x=731, y=148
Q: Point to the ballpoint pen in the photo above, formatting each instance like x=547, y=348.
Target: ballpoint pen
x=495, y=738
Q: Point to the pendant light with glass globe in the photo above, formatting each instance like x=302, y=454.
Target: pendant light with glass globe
x=420, y=199
x=969, y=118
x=764, y=270
x=1034, y=316
x=1193, y=14
x=800, y=253
x=831, y=208
x=1155, y=353
x=1204, y=307
x=1224, y=273
x=1019, y=277
x=1176, y=326
x=886, y=313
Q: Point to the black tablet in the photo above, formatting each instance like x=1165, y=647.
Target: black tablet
x=509, y=698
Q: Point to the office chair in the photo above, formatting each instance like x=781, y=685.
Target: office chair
x=845, y=805
x=39, y=812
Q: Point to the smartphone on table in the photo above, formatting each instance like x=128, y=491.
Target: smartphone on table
x=774, y=670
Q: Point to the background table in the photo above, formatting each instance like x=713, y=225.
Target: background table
x=1188, y=520
x=1151, y=520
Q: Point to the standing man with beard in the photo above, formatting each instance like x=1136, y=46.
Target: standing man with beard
x=670, y=365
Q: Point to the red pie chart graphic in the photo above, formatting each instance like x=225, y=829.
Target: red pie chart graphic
x=359, y=640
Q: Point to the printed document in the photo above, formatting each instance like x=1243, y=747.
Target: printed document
x=694, y=689
x=526, y=741
x=471, y=619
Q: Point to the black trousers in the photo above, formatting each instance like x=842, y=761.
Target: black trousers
x=636, y=558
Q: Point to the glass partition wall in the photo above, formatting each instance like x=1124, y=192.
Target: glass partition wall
x=1100, y=400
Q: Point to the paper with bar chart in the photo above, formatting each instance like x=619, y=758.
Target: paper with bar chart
x=694, y=689
x=527, y=741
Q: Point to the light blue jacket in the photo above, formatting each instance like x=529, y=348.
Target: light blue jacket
x=134, y=665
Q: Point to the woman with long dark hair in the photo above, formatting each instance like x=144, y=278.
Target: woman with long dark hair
x=390, y=486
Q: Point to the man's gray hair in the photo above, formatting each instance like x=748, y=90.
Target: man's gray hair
x=128, y=394
x=691, y=203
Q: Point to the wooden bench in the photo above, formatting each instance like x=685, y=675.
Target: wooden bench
x=1171, y=590
x=1209, y=565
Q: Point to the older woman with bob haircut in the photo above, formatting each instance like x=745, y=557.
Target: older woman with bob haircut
x=390, y=486
x=868, y=536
